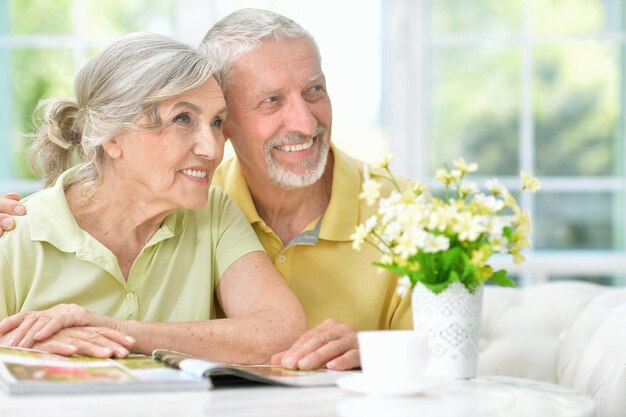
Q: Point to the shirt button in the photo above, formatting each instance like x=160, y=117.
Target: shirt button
x=136, y=272
x=282, y=258
x=130, y=295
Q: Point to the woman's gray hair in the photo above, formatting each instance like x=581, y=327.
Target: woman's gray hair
x=243, y=31
x=123, y=83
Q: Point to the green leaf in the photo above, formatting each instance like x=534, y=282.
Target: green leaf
x=501, y=279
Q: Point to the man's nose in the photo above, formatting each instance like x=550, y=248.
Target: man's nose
x=299, y=117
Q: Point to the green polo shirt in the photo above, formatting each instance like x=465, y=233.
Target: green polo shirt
x=49, y=260
x=330, y=279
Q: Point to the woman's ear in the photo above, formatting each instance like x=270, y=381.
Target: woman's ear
x=113, y=147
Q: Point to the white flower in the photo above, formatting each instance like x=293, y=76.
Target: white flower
x=404, y=285
x=495, y=187
x=371, y=191
x=468, y=188
x=490, y=203
x=496, y=224
x=392, y=232
x=411, y=215
x=358, y=237
x=438, y=219
x=409, y=242
x=370, y=224
x=436, y=243
x=499, y=243
x=529, y=182
x=468, y=227
x=461, y=165
x=443, y=176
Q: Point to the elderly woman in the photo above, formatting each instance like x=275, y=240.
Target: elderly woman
x=131, y=248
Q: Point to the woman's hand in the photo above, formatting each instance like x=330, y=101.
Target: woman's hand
x=30, y=327
x=9, y=205
x=97, y=342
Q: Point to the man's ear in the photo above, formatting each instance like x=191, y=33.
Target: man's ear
x=113, y=147
x=226, y=131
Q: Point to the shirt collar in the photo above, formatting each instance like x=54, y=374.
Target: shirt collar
x=342, y=214
x=50, y=217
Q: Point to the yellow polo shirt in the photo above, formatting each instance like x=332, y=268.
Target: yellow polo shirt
x=330, y=279
x=49, y=260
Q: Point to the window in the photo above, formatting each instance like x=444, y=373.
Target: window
x=535, y=85
x=43, y=44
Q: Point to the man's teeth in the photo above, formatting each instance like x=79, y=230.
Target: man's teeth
x=296, y=148
x=194, y=173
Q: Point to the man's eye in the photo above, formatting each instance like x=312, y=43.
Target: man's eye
x=217, y=122
x=272, y=99
x=182, y=118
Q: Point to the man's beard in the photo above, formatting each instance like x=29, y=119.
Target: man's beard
x=314, y=166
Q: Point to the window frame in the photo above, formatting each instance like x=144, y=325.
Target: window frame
x=407, y=44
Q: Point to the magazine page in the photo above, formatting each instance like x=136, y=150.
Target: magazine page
x=267, y=374
x=25, y=371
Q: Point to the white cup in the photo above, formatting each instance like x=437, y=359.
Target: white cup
x=394, y=356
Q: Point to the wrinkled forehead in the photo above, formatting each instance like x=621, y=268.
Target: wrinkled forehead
x=262, y=55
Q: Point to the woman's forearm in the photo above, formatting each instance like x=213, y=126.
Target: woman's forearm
x=245, y=340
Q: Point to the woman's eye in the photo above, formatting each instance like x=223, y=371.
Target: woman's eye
x=182, y=118
x=217, y=122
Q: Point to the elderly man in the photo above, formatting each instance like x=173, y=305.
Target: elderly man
x=299, y=192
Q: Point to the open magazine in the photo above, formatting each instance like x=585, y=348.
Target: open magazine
x=226, y=374
x=27, y=371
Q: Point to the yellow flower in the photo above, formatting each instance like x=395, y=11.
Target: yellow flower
x=478, y=258
x=529, y=182
x=518, y=258
x=524, y=224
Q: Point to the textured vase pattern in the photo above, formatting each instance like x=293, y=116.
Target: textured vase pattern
x=451, y=319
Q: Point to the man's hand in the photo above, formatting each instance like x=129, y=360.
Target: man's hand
x=98, y=342
x=29, y=327
x=331, y=344
x=9, y=205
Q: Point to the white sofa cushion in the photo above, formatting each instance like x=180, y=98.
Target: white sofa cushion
x=568, y=333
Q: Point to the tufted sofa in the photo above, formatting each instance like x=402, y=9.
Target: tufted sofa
x=568, y=333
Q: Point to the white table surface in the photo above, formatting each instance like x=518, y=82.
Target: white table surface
x=484, y=397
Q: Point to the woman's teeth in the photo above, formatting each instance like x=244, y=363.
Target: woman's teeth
x=194, y=173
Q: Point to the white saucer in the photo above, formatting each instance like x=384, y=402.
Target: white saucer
x=362, y=385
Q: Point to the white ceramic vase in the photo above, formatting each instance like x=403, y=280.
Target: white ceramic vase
x=451, y=319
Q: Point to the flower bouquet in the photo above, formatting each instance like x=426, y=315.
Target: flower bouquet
x=439, y=247
x=437, y=241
